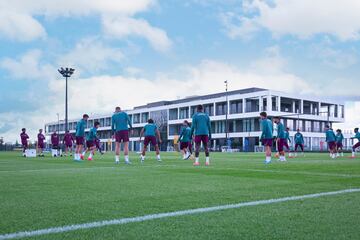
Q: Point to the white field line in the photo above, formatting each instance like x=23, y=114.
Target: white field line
x=121, y=221
x=296, y=172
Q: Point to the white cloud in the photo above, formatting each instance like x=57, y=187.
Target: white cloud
x=238, y=26
x=332, y=57
x=304, y=18
x=28, y=66
x=17, y=18
x=121, y=27
x=91, y=55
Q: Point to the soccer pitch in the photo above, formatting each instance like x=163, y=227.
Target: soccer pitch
x=53, y=193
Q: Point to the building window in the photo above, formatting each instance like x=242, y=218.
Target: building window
x=184, y=113
x=209, y=109
x=236, y=107
x=290, y=124
x=316, y=126
x=193, y=110
x=108, y=122
x=221, y=108
x=219, y=127
x=144, y=117
x=252, y=105
x=174, y=129
x=136, y=118
x=173, y=114
x=308, y=126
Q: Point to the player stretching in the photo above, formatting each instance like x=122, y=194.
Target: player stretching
x=120, y=123
x=185, y=140
x=150, y=131
x=55, y=140
x=80, y=138
x=90, y=140
x=24, y=140
x=68, y=141
x=339, y=143
x=331, y=141
x=357, y=136
x=40, y=143
x=281, y=138
x=299, y=142
x=287, y=141
x=201, y=127
x=266, y=135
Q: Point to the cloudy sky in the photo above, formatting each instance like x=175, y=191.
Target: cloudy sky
x=128, y=53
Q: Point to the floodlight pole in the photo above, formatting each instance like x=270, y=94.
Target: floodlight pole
x=66, y=73
x=226, y=117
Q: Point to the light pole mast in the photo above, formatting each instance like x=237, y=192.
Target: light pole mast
x=66, y=73
x=226, y=112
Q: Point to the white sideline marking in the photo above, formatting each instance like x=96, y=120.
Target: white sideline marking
x=122, y=221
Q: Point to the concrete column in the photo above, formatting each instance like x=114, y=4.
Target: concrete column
x=178, y=113
x=278, y=103
x=301, y=106
x=311, y=144
x=260, y=104
x=319, y=108
x=244, y=105
x=189, y=115
x=293, y=106
x=311, y=108
x=243, y=143
x=269, y=103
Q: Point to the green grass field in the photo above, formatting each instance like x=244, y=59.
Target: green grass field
x=53, y=192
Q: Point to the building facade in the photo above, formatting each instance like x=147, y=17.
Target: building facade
x=240, y=107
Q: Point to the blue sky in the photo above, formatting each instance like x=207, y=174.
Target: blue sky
x=169, y=49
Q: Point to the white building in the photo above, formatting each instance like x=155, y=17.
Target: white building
x=309, y=114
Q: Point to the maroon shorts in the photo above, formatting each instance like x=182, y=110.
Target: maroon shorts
x=79, y=140
x=201, y=138
x=331, y=145
x=150, y=139
x=286, y=145
x=89, y=144
x=267, y=142
x=184, y=145
x=299, y=145
x=356, y=146
x=41, y=145
x=339, y=145
x=281, y=144
x=69, y=145
x=122, y=136
x=25, y=145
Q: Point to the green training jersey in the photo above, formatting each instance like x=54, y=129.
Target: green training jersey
x=80, y=128
x=339, y=137
x=120, y=121
x=281, y=131
x=91, y=136
x=185, y=135
x=357, y=136
x=267, y=129
x=150, y=129
x=201, y=124
x=299, y=139
x=330, y=136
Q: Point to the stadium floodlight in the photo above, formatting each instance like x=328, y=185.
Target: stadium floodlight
x=66, y=73
x=226, y=115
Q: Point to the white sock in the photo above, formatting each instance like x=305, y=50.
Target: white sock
x=268, y=159
x=126, y=158
x=84, y=152
x=117, y=158
x=197, y=160
x=90, y=155
x=184, y=156
x=207, y=159
x=158, y=156
x=353, y=154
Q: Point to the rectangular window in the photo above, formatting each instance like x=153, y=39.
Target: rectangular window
x=236, y=107
x=144, y=117
x=136, y=118
x=209, y=109
x=173, y=114
x=184, y=113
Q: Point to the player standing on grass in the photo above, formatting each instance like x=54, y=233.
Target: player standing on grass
x=201, y=128
x=357, y=136
x=90, y=140
x=24, y=140
x=185, y=140
x=80, y=137
x=68, y=141
x=287, y=140
x=281, y=138
x=55, y=140
x=120, y=123
x=150, y=131
x=299, y=142
x=331, y=141
x=339, y=143
x=40, y=143
x=266, y=136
